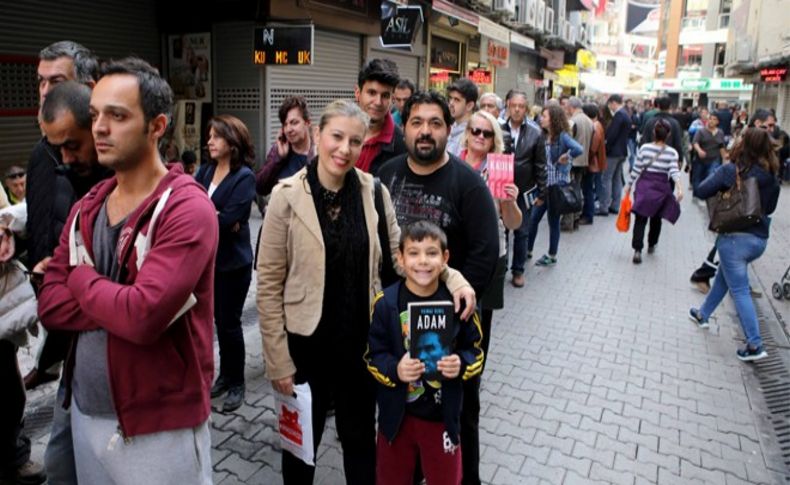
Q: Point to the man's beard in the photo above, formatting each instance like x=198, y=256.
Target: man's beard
x=427, y=156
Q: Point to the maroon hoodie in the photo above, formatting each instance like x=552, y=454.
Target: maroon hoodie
x=160, y=372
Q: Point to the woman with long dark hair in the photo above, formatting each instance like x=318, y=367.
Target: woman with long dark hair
x=561, y=149
x=752, y=156
x=655, y=170
x=230, y=183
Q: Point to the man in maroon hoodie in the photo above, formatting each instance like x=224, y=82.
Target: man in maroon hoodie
x=133, y=276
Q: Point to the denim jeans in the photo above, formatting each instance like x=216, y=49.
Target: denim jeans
x=520, y=239
x=554, y=227
x=611, y=184
x=632, y=149
x=700, y=171
x=736, y=251
x=59, y=455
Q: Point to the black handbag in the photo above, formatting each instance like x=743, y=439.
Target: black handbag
x=736, y=209
x=565, y=199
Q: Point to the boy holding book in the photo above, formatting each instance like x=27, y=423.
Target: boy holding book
x=420, y=390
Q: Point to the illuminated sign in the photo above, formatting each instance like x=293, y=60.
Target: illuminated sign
x=480, y=76
x=773, y=74
x=283, y=45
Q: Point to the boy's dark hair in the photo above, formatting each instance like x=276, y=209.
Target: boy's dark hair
x=466, y=88
x=406, y=84
x=381, y=70
x=615, y=98
x=290, y=103
x=427, y=97
x=71, y=97
x=417, y=231
x=591, y=110
x=156, y=97
x=663, y=103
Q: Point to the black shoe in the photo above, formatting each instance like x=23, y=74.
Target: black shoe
x=220, y=387
x=651, y=249
x=234, y=399
x=585, y=222
x=30, y=473
x=637, y=257
x=613, y=211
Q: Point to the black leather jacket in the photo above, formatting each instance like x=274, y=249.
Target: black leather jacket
x=530, y=157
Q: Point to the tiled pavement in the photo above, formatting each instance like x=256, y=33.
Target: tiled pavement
x=595, y=375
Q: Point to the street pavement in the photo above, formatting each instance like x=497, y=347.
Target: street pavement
x=594, y=375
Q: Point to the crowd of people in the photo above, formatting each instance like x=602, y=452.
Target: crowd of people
x=135, y=261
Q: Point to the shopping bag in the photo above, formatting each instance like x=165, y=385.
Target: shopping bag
x=624, y=216
x=295, y=422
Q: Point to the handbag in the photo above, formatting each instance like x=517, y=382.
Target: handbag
x=736, y=209
x=623, y=222
x=565, y=199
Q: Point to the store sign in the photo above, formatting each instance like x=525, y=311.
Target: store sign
x=493, y=30
x=399, y=29
x=554, y=59
x=283, y=45
x=451, y=10
x=522, y=40
x=585, y=59
x=481, y=76
x=440, y=77
x=497, y=54
x=773, y=74
x=702, y=84
x=445, y=54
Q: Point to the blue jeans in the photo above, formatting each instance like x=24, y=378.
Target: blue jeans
x=554, y=227
x=632, y=149
x=520, y=239
x=700, y=171
x=59, y=455
x=611, y=185
x=736, y=251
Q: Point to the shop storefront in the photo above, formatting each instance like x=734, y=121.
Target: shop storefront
x=772, y=90
x=703, y=91
x=453, y=44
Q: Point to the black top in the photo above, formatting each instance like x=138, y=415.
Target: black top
x=456, y=199
x=724, y=178
x=43, y=235
x=392, y=149
x=675, y=139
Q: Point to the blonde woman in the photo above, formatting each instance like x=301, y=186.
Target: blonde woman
x=318, y=273
x=483, y=135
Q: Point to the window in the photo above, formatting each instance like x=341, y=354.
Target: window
x=611, y=68
x=690, y=57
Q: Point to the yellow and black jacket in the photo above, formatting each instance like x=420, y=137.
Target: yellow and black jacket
x=385, y=349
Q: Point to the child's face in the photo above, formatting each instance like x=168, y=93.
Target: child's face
x=423, y=261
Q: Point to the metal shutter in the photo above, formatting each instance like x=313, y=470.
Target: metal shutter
x=783, y=107
x=237, y=86
x=333, y=75
x=116, y=28
x=506, y=79
x=408, y=65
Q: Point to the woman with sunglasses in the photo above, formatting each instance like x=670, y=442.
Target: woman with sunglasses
x=656, y=165
x=561, y=148
x=483, y=136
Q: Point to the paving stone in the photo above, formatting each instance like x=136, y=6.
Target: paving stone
x=579, y=465
x=584, y=436
x=643, y=469
x=643, y=440
x=528, y=450
x=603, y=456
x=239, y=467
x=565, y=445
x=729, y=466
x=267, y=476
x=669, y=462
x=691, y=471
x=608, y=475
x=551, y=474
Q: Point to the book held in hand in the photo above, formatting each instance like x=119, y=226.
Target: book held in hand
x=431, y=330
x=500, y=172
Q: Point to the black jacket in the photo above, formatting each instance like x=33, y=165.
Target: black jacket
x=675, y=138
x=391, y=150
x=617, y=134
x=42, y=230
x=385, y=349
x=530, y=157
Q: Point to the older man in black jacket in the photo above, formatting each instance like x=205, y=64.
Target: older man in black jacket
x=525, y=140
x=616, y=153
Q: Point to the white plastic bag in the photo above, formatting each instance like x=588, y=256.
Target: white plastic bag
x=295, y=422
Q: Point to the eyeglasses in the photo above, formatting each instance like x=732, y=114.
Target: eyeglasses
x=487, y=134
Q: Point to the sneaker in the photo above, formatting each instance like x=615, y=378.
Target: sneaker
x=651, y=249
x=220, y=387
x=546, y=260
x=637, y=257
x=696, y=317
x=748, y=354
x=234, y=399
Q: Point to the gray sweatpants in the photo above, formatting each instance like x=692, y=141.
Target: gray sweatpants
x=102, y=456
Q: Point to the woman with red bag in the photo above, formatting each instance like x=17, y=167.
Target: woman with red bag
x=656, y=165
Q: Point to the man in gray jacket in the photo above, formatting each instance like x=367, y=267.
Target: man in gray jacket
x=582, y=130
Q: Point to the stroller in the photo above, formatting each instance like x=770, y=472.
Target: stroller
x=782, y=288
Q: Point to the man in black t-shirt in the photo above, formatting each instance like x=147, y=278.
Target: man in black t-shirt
x=430, y=184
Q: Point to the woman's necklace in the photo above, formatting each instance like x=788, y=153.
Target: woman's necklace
x=331, y=202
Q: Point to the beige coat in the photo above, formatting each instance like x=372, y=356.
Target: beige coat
x=291, y=265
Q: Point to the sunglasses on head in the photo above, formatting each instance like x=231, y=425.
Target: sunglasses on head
x=487, y=134
x=15, y=175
